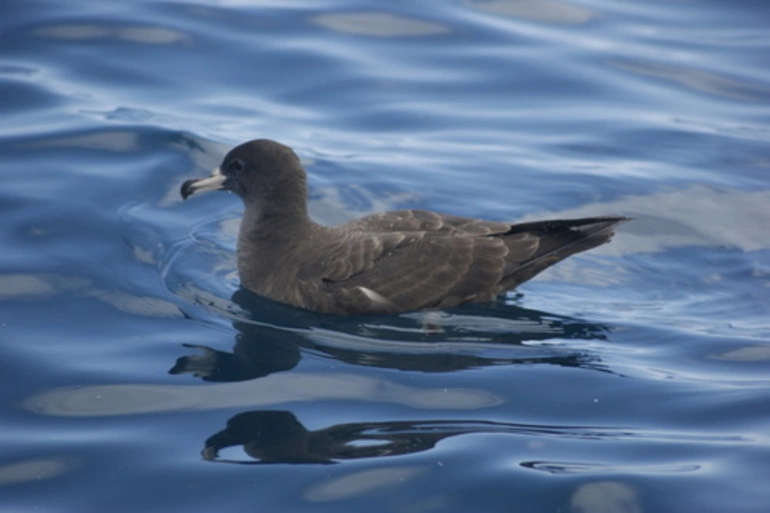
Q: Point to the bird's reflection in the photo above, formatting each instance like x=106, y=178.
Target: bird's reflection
x=277, y=436
x=273, y=338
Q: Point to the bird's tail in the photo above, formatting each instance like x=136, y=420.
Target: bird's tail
x=558, y=240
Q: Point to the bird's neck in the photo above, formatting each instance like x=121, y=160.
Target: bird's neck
x=275, y=226
x=274, y=234
x=270, y=248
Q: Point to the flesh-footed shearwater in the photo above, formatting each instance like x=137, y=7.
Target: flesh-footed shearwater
x=383, y=263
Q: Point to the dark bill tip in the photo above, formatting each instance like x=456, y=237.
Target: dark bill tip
x=187, y=189
x=214, y=182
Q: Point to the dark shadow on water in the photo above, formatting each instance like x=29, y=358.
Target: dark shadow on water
x=272, y=338
x=277, y=436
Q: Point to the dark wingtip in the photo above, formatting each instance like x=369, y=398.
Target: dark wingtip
x=186, y=190
x=585, y=224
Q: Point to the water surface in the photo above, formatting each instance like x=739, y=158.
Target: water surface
x=139, y=377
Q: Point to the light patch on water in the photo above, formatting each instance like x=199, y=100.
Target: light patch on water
x=468, y=345
x=362, y=482
x=17, y=71
x=19, y=286
x=85, y=31
x=695, y=216
x=14, y=286
x=378, y=24
x=606, y=497
x=115, y=140
x=136, y=305
x=33, y=470
x=127, y=114
x=744, y=354
x=698, y=80
x=545, y=11
x=109, y=400
x=143, y=255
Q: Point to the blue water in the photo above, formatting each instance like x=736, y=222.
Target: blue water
x=138, y=377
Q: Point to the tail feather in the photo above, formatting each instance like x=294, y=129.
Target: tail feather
x=558, y=240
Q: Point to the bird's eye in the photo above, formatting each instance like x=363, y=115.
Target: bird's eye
x=235, y=166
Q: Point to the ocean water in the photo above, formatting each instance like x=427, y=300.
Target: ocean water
x=137, y=376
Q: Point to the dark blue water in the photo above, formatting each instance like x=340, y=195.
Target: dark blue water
x=136, y=376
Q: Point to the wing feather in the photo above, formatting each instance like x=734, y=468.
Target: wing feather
x=424, y=221
x=427, y=271
x=372, y=266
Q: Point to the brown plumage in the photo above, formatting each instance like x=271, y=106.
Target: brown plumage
x=383, y=263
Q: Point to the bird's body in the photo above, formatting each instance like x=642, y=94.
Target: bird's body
x=383, y=263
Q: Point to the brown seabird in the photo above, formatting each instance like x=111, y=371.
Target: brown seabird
x=383, y=263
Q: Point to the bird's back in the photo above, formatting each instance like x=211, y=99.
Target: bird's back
x=410, y=259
